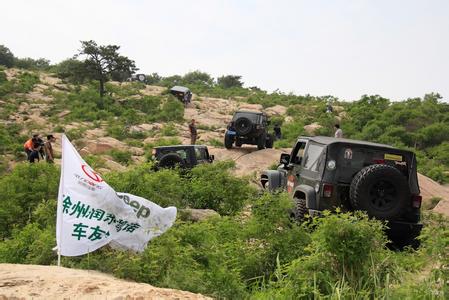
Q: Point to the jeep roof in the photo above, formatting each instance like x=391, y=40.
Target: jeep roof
x=332, y=140
x=248, y=114
x=179, y=89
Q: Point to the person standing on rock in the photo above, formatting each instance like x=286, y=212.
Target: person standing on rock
x=338, y=131
x=193, y=132
x=277, y=131
x=48, y=147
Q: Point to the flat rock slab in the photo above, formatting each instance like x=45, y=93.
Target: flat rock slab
x=51, y=282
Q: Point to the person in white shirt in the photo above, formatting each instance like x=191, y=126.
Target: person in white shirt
x=338, y=131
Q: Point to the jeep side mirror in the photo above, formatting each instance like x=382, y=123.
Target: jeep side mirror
x=285, y=159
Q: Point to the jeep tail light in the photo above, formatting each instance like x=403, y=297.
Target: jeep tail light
x=416, y=201
x=379, y=161
x=327, y=190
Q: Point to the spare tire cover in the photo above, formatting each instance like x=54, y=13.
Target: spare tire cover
x=380, y=190
x=171, y=160
x=243, y=126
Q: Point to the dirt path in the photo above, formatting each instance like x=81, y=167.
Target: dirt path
x=51, y=282
x=248, y=159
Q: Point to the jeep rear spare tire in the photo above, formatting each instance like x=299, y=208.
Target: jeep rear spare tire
x=243, y=126
x=380, y=190
x=171, y=160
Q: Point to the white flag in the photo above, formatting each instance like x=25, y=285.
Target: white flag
x=91, y=214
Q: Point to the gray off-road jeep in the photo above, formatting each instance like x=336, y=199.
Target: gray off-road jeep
x=324, y=173
x=248, y=127
x=183, y=156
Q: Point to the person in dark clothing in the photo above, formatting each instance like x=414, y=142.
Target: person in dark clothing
x=193, y=132
x=277, y=132
x=48, y=148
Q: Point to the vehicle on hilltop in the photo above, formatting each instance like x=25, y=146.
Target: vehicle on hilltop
x=248, y=127
x=183, y=156
x=324, y=173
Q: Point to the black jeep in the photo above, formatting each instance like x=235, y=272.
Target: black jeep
x=248, y=127
x=325, y=173
x=183, y=156
x=182, y=93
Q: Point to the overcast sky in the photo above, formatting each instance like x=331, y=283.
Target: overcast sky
x=346, y=48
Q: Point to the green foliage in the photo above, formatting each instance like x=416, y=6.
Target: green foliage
x=6, y=57
x=32, y=64
x=22, y=190
x=71, y=70
x=169, y=130
x=197, y=77
x=230, y=81
x=212, y=186
x=153, y=78
x=123, y=157
x=102, y=62
x=207, y=186
x=31, y=245
x=24, y=83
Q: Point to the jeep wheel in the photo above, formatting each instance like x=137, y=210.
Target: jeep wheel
x=300, y=209
x=171, y=160
x=238, y=143
x=269, y=141
x=228, y=141
x=243, y=126
x=261, y=142
x=380, y=190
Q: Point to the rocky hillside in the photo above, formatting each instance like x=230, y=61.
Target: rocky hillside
x=39, y=110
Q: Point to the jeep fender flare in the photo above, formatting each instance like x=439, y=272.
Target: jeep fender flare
x=308, y=193
x=271, y=180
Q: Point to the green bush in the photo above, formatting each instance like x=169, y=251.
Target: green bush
x=212, y=186
x=123, y=157
x=22, y=191
x=347, y=252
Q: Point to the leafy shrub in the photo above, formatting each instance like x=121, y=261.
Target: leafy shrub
x=169, y=130
x=22, y=191
x=123, y=157
x=6, y=57
x=164, y=187
x=347, y=251
x=212, y=186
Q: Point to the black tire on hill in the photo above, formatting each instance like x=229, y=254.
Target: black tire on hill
x=228, y=141
x=300, y=209
x=243, y=126
x=171, y=160
x=380, y=190
x=269, y=142
x=261, y=141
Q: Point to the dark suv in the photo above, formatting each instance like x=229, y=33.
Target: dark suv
x=325, y=173
x=183, y=156
x=248, y=127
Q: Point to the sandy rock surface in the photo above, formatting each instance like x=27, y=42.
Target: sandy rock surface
x=51, y=282
x=430, y=188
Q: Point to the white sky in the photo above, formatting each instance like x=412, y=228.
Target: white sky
x=345, y=48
